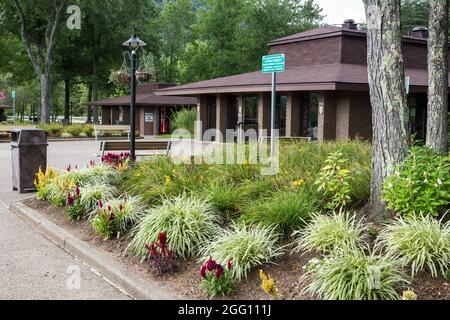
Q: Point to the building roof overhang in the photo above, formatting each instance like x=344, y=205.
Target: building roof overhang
x=311, y=78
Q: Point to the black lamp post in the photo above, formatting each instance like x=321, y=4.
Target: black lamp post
x=134, y=43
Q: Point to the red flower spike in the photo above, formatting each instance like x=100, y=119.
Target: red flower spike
x=229, y=265
x=70, y=200
x=219, y=271
x=100, y=203
x=162, y=239
x=203, y=271
x=211, y=264
x=68, y=168
x=77, y=192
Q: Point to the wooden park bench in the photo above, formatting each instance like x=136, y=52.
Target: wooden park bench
x=109, y=128
x=106, y=146
x=286, y=139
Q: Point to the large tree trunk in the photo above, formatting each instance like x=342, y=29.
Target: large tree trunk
x=437, y=126
x=387, y=94
x=45, y=85
x=89, y=108
x=66, y=99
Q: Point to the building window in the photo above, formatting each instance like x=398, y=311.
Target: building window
x=310, y=115
x=120, y=114
x=233, y=112
x=280, y=115
x=250, y=113
x=212, y=111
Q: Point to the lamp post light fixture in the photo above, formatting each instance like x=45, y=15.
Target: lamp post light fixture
x=134, y=43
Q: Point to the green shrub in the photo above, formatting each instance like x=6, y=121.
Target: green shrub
x=327, y=233
x=352, y=274
x=418, y=242
x=189, y=222
x=334, y=181
x=66, y=135
x=53, y=129
x=284, y=210
x=74, y=130
x=246, y=246
x=88, y=129
x=108, y=220
x=184, y=119
x=421, y=185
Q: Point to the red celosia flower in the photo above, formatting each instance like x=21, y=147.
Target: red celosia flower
x=219, y=271
x=112, y=217
x=229, y=265
x=203, y=271
x=68, y=168
x=211, y=264
x=109, y=208
x=70, y=200
x=77, y=192
x=100, y=203
x=121, y=207
x=162, y=237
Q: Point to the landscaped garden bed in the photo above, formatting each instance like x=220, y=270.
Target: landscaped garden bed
x=206, y=230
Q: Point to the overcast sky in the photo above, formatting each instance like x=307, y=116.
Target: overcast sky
x=336, y=11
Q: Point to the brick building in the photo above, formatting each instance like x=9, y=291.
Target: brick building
x=323, y=94
x=152, y=111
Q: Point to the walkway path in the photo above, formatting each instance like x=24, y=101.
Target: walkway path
x=32, y=267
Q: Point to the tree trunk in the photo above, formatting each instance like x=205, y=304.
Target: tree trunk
x=437, y=126
x=387, y=94
x=41, y=62
x=66, y=99
x=95, y=88
x=45, y=98
x=89, y=108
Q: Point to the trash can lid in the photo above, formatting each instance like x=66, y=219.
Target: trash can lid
x=22, y=137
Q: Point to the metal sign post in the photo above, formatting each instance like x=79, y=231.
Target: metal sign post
x=273, y=64
x=13, y=94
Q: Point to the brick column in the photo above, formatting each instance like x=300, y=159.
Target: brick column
x=327, y=116
x=264, y=112
x=343, y=116
x=202, y=115
x=293, y=116
x=222, y=113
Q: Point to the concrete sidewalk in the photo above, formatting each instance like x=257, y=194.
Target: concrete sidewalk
x=32, y=267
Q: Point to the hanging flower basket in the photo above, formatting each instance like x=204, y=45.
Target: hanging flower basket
x=144, y=76
x=146, y=69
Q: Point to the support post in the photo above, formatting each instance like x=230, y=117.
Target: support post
x=133, y=107
x=272, y=115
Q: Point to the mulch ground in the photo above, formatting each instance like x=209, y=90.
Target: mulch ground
x=184, y=281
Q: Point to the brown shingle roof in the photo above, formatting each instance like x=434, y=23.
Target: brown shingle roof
x=317, y=77
x=148, y=99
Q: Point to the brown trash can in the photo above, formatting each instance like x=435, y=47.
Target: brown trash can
x=29, y=153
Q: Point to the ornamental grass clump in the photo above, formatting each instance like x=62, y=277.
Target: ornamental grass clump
x=284, y=210
x=418, y=242
x=216, y=279
x=189, y=222
x=354, y=274
x=91, y=194
x=326, y=233
x=247, y=246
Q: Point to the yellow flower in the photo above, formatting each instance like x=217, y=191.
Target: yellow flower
x=268, y=284
x=168, y=180
x=298, y=183
x=138, y=174
x=246, y=163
